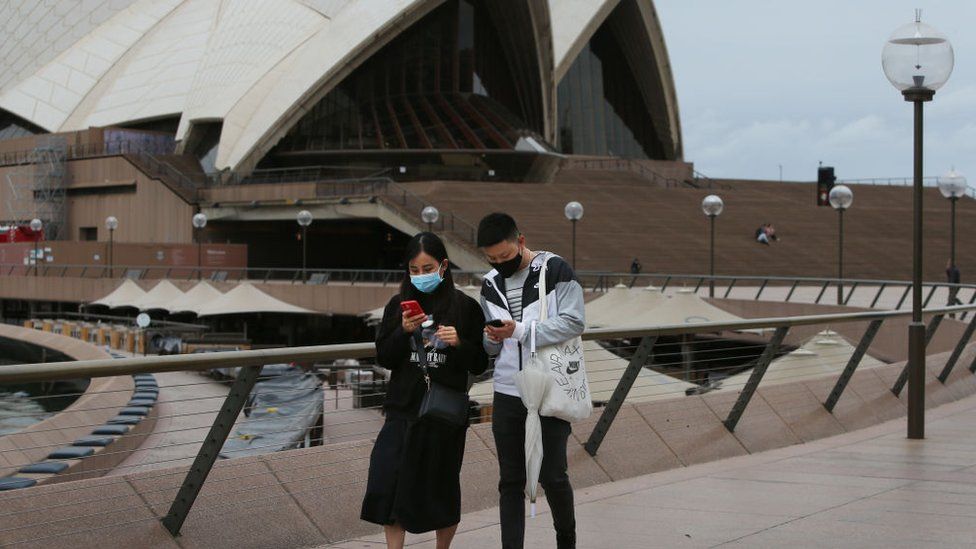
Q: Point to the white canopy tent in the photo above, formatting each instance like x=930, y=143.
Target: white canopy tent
x=125, y=295
x=161, y=296
x=375, y=316
x=826, y=353
x=246, y=298
x=624, y=307
x=195, y=298
x=604, y=370
x=685, y=307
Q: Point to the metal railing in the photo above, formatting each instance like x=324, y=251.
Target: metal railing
x=627, y=165
x=753, y=287
x=930, y=181
x=674, y=362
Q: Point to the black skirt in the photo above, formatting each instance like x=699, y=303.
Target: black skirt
x=414, y=475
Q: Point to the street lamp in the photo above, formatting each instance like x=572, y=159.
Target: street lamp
x=840, y=198
x=304, y=219
x=917, y=59
x=952, y=186
x=430, y=215
x=574, y=212
x=111, y=223
x=36, y=225
x=199, y=222
x=712, y=205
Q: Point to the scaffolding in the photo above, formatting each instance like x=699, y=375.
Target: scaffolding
x=38, y=189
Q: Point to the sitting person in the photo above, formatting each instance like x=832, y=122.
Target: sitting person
x=761, y=236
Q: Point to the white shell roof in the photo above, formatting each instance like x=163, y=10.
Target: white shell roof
x=68, y=65
x=247, y=62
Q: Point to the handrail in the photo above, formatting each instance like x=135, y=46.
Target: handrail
x=388, y=275
x=929, y=181
x=626, y=164
x=49, y=371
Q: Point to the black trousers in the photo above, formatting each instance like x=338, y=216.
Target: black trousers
x=508, y=427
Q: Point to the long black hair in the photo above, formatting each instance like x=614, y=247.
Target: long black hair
x=440, y=302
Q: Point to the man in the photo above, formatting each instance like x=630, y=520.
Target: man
x=510, y=293
x=953, y=276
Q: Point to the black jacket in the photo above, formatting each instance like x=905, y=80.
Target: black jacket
x=449, y=366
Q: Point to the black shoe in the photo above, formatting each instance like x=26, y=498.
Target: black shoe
x=566, y=540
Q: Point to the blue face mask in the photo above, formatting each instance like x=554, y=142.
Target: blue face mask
x=426, y=283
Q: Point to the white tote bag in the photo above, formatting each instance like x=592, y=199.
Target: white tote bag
x=568, y=397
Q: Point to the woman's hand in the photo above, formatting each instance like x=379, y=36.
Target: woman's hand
x=449, y=335
x=411, y=323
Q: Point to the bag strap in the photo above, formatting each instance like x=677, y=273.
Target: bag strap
x=418, y=338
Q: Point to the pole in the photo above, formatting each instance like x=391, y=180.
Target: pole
x=199, y=256
x=37, y=261
x=304, y=248
x=916, y=330
x=952, y=233
x=574, y=244
x=111, y=259
x=711, y=258
x=840, y=257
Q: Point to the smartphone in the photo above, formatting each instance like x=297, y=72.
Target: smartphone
x=411, y=307
x=495, y=323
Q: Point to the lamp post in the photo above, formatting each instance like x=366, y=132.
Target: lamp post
x=953, y=187
x=712, y=205
x=574, y=212
x=36, y=225
x=199, y=222
x=304, y=219
x=917, y=59
x=111, y=223
x=430, y=215
x=840, y=198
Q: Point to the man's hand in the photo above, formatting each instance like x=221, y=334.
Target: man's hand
x=498, y=335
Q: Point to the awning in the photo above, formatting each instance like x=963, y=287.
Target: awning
x=375, y=316
x=685, y=307
x=195, y=298
x=826, y=353
x=124, y=295
x=604, y=370
x=161, y=296
x=246, y=298
x=624, y=307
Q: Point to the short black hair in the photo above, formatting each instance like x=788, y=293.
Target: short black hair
x=496, y=227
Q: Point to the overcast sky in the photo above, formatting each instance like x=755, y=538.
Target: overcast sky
x=763, y=83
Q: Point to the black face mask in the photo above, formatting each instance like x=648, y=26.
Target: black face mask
x=510, y=267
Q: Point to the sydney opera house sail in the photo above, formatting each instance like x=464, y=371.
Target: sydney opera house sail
x=485, y=86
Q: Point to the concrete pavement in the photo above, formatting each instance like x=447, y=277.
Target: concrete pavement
x=868, y=488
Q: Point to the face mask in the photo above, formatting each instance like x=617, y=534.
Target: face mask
x=426, y=283
x=510, y=267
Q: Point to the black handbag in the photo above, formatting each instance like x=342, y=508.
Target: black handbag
x=441, y=403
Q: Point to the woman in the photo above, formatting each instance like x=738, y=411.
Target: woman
x=414, y=469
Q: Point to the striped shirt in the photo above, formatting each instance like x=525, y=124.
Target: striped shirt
x=513, y=292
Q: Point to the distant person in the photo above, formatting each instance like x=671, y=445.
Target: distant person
x=953, y=277
x=635, y=266
x=761, y=236
x=415, y=466
x=771, y=232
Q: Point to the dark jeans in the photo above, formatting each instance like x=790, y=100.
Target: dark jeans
x=508, y=426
